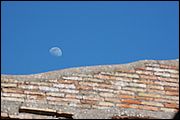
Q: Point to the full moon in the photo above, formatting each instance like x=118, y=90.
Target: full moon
x=55, y=51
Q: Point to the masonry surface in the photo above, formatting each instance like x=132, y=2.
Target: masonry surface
x=148, y=88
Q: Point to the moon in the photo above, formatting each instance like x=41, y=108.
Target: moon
x=55, y=51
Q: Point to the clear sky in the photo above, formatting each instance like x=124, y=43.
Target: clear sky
x=88, y=33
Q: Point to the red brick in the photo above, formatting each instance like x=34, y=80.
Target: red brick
x=145, y=107
x=130, y=101
x=171, y=105
x=171, y=89
x=172, y=93
x=125, y=96
x=144, y=98
x=127, y=106
x=168, y=66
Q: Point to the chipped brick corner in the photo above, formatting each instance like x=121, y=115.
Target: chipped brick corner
x=148, y=88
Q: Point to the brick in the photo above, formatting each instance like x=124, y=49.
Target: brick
x=70, y=100
x=161, y=92
x=39, y=83
x=58, y=99
x=68, y=86
x=150, y=77
x=172, y=93
x=103, y=94
x=152, y=65
x=55, y=94
x=69, y=91
x=127, y=106
x=144, y=81
x=73, y=96
x=102, y=89
x=67, y=82
x=148, y=95
x=163, y=100
x=166, y=83
x=94, y=80
x=134, y=89
x=125, y=96
x=8, y=90
x=36, y=97
x=105, y=86
x=88, y=84
x=121, y=83
x=12, y=99
x=91, y=102
x=171, y=97
x=90, y=97
x=166, y=88
x=174, y=75
x=156, y=87
x=144, y=72
x=171, y=105
x=168, y=66
x=127, y=75
x=87, y=106
x=106, y=104
x=127, y=92
x=168, y=79
x=130, y=101
x=104, y=77
x=162, y=74
x=14, y=95
x=8, y=85
x=152, y=103
x=114, y=100
x=125, y=71
x=168, y=110
x=137, y=85
x=4, y=114
x=144, y=98
x=58, y=103
x=44, y=88
x=100, y=107
x=29, y=87
x=72, y=78
x=145, y=107
x=80, y=87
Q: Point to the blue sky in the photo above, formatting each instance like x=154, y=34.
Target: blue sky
x=88, y=33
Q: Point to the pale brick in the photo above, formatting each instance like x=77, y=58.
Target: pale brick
x=106, y=104
x=94, y=80
x=114, y=100
x=122, y=105
x=4, y=114
x=153, y=65
x=91, y=97
x=103, y=94
x=156, y=87
x=8, y=85
x=171, y=97
x=82, y=87
x=100, y=107
x=166, y=83
x=74, y=96
x=91, y=102
x=148, y=94
x=34, y=92
x=168, y=109
x=144, y=72
x=72, y=78
x=163, y=100
x=104, y=77
x=69, y=86
x=103, y=90
x=152, y=103
x=12, y=99
x=58, y=103
x=127, y=92
x=172, y=93
x=8, y=90
x=137, y=85
x=44, y=88
x=87, y=106
x=30, y=87
x=14, y=95
x=168, y=79
x=36, y=97
x=69, y=91
x=127, y=75
x=49, y=98
x=134, y=89
x=55, y=94
x=162, y=74
x=174, y=75
x=150, y=77
x=89, y=84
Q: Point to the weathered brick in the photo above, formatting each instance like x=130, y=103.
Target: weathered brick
x=100, y=76
x=67, y=82
x=91, y=102
x=49, y=98
x=144, y=98
x=145, y=107
x=36, y=97
x=39, y=83
x=73, y=96
x=144, y=81
x=144, y=72
x=55, y=94
x=161, y=92
x=90, y=97
x=137, y=85
x=168, y=79
x=44, y=88
x=170, y=97
x=70, y=100
x=105, y=86
x=94, y=80
x=174, y=75
x=127, y=92
x=103, y=94
x=172, y=93
x=69, y=91
x=166, y=88
x=148, y=94
x=29, y=87
x=150, y=77
x=14, y=95
x=168, y=66
x=100, y=107
x=4, y=114
x=127, y=75
x=87, y=106
x=72, y=78
x=102, y=89
x=162, y=74
x=171, y=105
x=106, y=104
x=156, y=87
x=168, y=109
x=69, y=86
x=152, y=103
x=8, y=85
x=152, y=65
x=60, y=102
x=8, y=90
x=12, y=99
x=121, y=83
x=166, y=83
x=134, y=89
x=127, y=106
x=125, y=96
x=163, y=100
x=130, y=101
x=81, y=87
x=115, y=100
x=88, y=84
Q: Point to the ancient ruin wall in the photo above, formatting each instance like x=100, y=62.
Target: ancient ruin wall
x=148, y=88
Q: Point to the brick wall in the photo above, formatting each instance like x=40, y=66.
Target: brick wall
x=150, y=86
